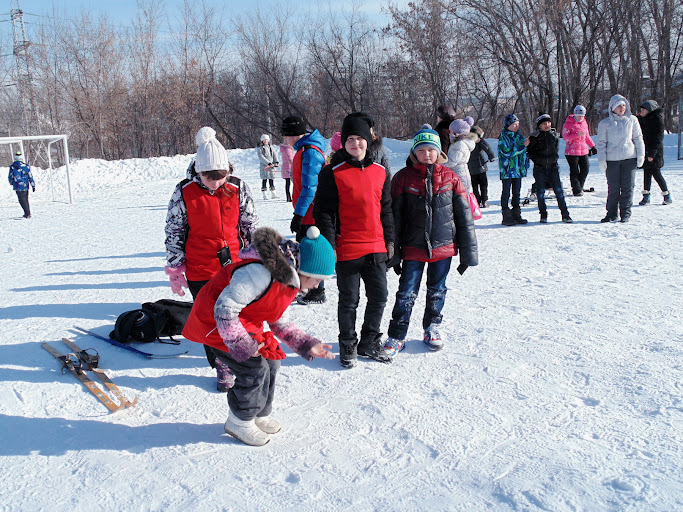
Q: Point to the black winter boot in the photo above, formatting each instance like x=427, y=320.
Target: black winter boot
x=646, y=198
x=347, y=354
x=544, y=217
x=507, y=218
x=374, y=349
x=517, y=216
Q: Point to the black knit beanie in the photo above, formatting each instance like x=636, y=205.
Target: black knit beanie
x=355, y=124
x=293, y=125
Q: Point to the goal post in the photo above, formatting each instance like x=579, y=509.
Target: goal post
x=51, y=140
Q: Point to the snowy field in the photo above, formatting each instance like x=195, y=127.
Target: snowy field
x=559, y=388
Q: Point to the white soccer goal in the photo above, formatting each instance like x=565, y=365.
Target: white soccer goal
x=52, y=139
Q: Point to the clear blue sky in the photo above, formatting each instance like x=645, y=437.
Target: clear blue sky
x=121, y=12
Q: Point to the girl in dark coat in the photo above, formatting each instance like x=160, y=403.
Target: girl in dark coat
x=652, y=124
x=481, y=154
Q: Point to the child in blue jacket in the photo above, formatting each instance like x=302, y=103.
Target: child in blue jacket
x=20, y=178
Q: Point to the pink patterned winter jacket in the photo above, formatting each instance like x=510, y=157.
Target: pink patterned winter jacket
x=576, y=145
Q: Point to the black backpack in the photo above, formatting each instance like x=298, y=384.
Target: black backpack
x=164, y=317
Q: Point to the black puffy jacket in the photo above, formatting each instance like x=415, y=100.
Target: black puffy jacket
x=543, y=148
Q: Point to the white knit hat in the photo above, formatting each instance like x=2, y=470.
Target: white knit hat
x=211, y=155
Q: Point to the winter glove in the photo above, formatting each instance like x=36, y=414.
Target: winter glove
x=592, y=151
x=295, y=225
x=603, y=166
x=398, y=269
x=271, y=348
x=461, y=268
x=390, y=251
x=178, y=280
x=34, y=188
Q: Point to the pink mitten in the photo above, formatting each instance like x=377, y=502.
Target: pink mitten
x=178, y=281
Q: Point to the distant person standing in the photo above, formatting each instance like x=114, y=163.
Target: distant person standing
x=287, y=154
x=445, y=115
x=513, y=163
x=543, y=149
x=20, y=178
x=620, y=150
x=578, y=147
x=652, y=125
x=480, y=155
x=268, y=162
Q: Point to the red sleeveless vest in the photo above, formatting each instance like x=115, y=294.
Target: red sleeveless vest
x=201, y=325
x=360, y=205
x=213, y=224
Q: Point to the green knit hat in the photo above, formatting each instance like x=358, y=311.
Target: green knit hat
x=316, y=255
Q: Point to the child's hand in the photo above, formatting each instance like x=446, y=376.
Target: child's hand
x=321, y=351
x=260, y=346
x=526, y=141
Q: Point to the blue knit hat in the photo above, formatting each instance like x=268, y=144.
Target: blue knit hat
x=316, y=255
x=510, y=119
x=426, y=136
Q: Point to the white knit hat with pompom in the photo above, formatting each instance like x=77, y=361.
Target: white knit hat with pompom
x=211, y=155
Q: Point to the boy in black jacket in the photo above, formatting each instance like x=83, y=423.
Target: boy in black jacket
x=543, y=151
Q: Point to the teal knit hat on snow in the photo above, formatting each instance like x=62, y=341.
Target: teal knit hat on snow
x=316, y=255
x=426, y=136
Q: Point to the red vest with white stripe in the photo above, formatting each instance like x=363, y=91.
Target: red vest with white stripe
x=213, y=224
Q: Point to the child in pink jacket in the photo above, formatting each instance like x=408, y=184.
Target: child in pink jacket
x=579, y=146
x=287, y=153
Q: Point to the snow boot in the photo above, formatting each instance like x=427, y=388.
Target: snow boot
x=314, y=296
x=245, y=431
x=646, y=198
x=667, y=199
x=393, y=346
x=374, y=349
x=608, y=219
x=517, y=216
x=567, y=219
x=226, y=379
x=432, y=338
x=272, y=194
x=347, y=354
x=507, y=218
x=268, y=424
x=544, y=218
x=264, y=194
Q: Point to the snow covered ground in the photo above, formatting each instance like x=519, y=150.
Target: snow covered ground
x=559, y=387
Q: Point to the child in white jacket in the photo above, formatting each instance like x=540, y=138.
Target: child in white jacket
x=460, y=149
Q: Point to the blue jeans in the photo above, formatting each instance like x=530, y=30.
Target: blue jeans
x=409, y=286
x=510, y=183
x=549, y=177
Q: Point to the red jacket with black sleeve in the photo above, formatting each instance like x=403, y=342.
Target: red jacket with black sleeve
x=352, y=207
x=432, y=215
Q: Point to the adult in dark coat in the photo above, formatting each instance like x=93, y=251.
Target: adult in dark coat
x=652, y=124
x=445, y=115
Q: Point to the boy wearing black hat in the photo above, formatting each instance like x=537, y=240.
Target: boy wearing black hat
x=353, y=211
x=543, y=151
x=306, y=165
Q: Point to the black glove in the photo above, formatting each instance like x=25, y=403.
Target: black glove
x=592, y=151
x=397, y=268
x=461, y=268
x=295, y=225
x=390, y=251
x=34, y=188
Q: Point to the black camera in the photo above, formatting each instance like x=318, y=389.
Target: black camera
x=224, y=256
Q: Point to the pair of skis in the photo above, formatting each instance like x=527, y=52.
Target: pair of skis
x=78, y=362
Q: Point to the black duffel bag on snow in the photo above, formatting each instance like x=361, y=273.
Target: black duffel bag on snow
x=165, y=317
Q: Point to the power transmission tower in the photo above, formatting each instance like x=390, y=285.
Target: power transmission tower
x=22, y=58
